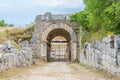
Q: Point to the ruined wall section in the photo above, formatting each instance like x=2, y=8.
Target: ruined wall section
x=10, y=57
x=103, y=54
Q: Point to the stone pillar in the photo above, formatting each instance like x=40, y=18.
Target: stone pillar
x=77, y=30
x=68, y=52
x=48, y=52
x=38, y=51
x=73, y=51
x=43, y=50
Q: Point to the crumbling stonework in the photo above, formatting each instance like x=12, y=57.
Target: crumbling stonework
x=11, y=57
x=103, y=54
x=48, y=26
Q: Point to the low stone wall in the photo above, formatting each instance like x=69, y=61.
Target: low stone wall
x=11, y=57
x=103, y=54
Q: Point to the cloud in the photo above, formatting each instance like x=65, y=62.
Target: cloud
x=16, y=10
x=28, y=4
x=60, y=3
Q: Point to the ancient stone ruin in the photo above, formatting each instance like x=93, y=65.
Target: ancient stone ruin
x=55, y=34
x=103, y=54
x=49, y=26
x=10, y=57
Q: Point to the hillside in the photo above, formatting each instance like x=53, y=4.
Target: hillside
x=15, y=34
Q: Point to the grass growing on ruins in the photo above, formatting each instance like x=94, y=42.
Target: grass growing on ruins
x=14, y=34
x=7, y=33
x=16, y=45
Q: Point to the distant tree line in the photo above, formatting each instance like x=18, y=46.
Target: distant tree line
x=3, y=24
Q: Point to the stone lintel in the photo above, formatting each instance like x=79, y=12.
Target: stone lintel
x=50, y=17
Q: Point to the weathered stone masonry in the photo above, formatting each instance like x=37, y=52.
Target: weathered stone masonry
x=103, y=54
x=46, y=28
x=10, y=57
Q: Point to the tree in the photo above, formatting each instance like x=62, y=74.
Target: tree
x=98, y=19
x=11, y=25
x=104, y=14
x=81, y=18
x=112, y=19
x=2, y=23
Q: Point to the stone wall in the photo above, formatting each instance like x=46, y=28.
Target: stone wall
x=11, y=57
x=103, y=54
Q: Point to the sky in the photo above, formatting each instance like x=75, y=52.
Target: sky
x=22, y=12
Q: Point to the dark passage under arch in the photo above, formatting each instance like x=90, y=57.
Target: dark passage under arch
x=58, y=46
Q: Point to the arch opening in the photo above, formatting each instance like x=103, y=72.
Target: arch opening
x=46, y=28
x=59, y=32
x=58, y=45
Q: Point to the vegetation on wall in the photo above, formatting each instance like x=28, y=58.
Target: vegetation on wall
x=16, y=34
x=99, y=19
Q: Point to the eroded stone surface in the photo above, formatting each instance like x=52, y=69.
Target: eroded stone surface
x=48, y=26
x=11, y=57
x=103, y=55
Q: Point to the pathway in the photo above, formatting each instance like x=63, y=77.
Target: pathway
x=55, y=71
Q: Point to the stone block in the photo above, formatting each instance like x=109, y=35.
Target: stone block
x=99, y=46
x=1, y=51
x=1, y=46
x=107, y=40
x=8, y=44
x=24, y=43
x=104, y=64
x=106, y=57
x=113, y=53
x=118, y=60
x=117, y=42
x=118, y=51
x=112, y=61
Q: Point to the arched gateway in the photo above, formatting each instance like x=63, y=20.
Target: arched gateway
x=47, y=27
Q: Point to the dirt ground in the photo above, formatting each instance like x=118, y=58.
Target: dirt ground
x=54, y=71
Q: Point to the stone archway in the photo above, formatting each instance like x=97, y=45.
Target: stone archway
x=46, y=28
x=57, y=32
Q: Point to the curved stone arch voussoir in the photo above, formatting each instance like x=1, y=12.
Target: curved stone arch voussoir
x=64, y=26
x=47, y=27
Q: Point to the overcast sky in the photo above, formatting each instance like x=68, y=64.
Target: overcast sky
x=22, y=12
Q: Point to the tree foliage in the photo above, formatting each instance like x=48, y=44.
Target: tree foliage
x=3, y=24
x=81, y=18
x=101, y=16
x=11, y=25
x=112, y=17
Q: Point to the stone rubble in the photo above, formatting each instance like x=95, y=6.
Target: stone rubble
x=11, y=57
x=103, y=54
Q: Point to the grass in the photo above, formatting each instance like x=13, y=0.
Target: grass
x=3, y=36
x=24, y=37
x=93, y=36
x=15, y=31
x=104, y=73
x=16, y=45
x=14, y=34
